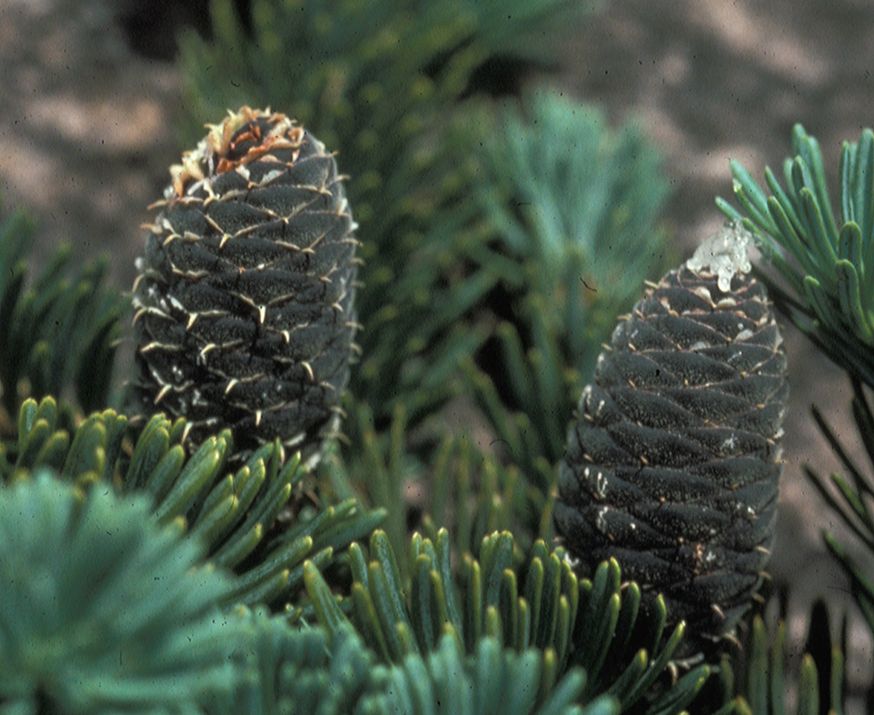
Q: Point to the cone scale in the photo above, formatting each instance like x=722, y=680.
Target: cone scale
x=672, y=464
x=244, y=301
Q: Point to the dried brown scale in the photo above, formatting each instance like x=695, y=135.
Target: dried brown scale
x=244, y=302
x=673, y=463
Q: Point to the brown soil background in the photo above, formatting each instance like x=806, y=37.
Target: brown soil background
x=86, y=136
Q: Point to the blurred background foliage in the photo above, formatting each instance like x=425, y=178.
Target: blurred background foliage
x=505, y=226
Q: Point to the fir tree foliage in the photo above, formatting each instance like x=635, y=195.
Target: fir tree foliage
x=460, y=486
x=66, y=303
x=311, y=670
x=851, y=497
x=597, y=624
x=826, y=263
x=285, y=669
x=763, y=685
x=569, y=201
x=149, y=635
x=385, y=91
x=490, y=681
x=823, y=251
x=103, y=610
x=232, y=512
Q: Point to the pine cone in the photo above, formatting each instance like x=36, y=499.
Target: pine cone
x=673, y=464
x=244, y=302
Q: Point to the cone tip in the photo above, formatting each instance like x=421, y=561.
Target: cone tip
x=724, y=254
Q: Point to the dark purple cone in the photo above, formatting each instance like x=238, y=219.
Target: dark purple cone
x=244, y=302
x=673, y=462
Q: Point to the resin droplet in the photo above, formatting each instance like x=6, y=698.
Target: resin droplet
x=723, y=254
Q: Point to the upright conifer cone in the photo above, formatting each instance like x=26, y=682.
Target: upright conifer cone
x=673, y=463
x=244, y=301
